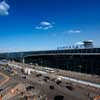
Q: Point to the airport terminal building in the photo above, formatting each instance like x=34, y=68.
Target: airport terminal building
x=81, y=60
x=85, y=60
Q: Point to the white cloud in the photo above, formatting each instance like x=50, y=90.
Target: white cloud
x=79, y=43
x=74, y=31
x=44, y=25
x=4, y=7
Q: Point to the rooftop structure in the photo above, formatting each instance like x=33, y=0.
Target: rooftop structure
x=88, y=44
x=81, y=44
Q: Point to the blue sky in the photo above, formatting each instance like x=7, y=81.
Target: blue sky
x=47, y=24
